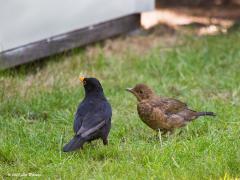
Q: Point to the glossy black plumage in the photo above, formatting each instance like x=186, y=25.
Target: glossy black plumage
x=93, y=116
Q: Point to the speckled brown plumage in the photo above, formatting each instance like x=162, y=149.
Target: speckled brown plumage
x=161, y=113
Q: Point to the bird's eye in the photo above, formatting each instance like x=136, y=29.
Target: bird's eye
x=140, y=91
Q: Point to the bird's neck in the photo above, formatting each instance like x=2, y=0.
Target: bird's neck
x=95, y=94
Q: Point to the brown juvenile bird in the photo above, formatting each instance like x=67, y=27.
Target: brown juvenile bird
x=160, y=113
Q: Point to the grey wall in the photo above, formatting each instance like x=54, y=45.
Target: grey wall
x=26, y=21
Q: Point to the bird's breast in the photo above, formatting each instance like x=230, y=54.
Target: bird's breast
x=152, y=116
x=144, y=110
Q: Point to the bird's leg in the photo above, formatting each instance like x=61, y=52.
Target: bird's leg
x=180, y=132
x=170, y=132
x=163, y=131
x=160, y=137
x=105, y=141
x=90, y=141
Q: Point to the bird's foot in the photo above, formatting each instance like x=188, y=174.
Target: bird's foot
x=105, y=142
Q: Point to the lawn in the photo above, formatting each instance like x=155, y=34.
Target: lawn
x=38, y=102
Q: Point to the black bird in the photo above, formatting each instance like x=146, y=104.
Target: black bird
x=93, y=116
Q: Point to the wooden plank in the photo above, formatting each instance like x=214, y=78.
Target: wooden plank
x=67, y=41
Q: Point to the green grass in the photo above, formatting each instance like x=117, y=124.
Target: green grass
x=38, y=102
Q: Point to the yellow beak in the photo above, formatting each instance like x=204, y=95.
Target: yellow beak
x=81, y=78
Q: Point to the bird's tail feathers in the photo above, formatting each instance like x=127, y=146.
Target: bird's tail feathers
x=75, y=143
x=206, y=114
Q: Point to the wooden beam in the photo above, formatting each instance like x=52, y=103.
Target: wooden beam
x=63, y=42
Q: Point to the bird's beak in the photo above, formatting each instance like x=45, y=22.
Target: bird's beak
x=81, y=78
x=130, y=90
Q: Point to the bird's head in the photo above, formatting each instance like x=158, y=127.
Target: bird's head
x=141, y=91
x=91, y=85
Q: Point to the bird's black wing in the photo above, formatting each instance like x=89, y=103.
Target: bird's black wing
x=82, y=110
x=95, y=118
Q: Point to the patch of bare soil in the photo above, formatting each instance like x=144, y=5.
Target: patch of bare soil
x=204, y=20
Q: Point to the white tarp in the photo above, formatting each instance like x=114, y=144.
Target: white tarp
x=26, y=21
